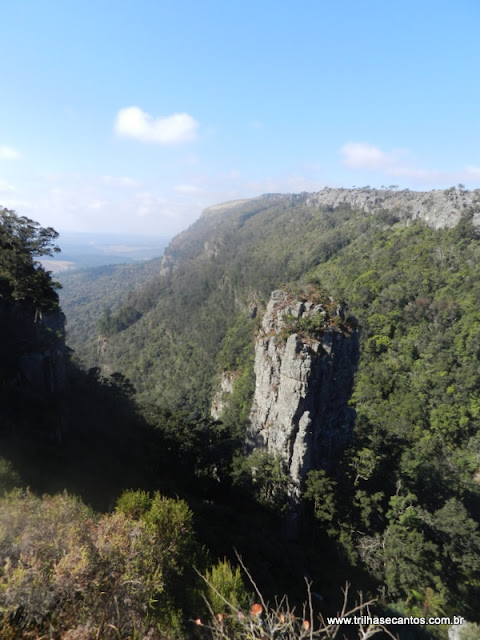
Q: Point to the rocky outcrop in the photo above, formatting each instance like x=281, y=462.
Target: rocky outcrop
x=167, y=266
x=220, y=399
x=438, y=208
x=304, y=379
x=32, y=351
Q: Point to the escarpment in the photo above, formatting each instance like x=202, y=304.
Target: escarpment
x=33, y=351
x=305, y=359
x=438, y=209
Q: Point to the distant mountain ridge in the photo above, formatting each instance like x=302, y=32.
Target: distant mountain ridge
x=437, y=208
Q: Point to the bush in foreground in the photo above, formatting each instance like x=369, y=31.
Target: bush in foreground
x=229, y=620
x=68, y=574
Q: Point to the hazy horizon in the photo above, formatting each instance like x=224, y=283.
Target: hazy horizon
x=83, y=249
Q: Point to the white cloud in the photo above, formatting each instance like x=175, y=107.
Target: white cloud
x=360, y=155
x=472, y=172
x=132, y=122
x=148, y=204
x=7, y=153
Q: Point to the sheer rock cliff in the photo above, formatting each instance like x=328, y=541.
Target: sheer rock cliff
x=33, y=357
x=441, y=208
x=300, y=409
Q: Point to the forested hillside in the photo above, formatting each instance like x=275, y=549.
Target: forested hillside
x=410, y=479
x=167, y=505
x=403, y=503
x=170, y=330
x=86, y=294
x=397, y=514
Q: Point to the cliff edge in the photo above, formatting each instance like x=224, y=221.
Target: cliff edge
x=306, y=354
x=33, y=353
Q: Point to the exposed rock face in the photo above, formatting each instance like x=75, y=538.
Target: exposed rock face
x=438, y=209
x=167, y=265
x=220, y=399
x=300, y=409
x=33, y=350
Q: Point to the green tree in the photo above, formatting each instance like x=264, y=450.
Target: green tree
x=322, y=491
x=22, y=277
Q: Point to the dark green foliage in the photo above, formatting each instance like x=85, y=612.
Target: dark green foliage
x=193, y=455
x=91, y=438
x=237, y=346
x=321, y=490
x=403, y=506
x=125, y=316
x=410, y=472
x=239, y=403
x=9, y=478
x=264, y=476
x=413, y=290
x=89, y=295
x=22, y=278
x=236, y=357
x=222, y=266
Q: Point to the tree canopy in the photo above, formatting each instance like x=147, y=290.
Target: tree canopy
x=22, y=277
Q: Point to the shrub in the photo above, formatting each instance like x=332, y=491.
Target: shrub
x=64, y=569
x=261, y=620
x=225, y=584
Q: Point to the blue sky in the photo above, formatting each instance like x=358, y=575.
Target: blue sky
x=134, y=116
